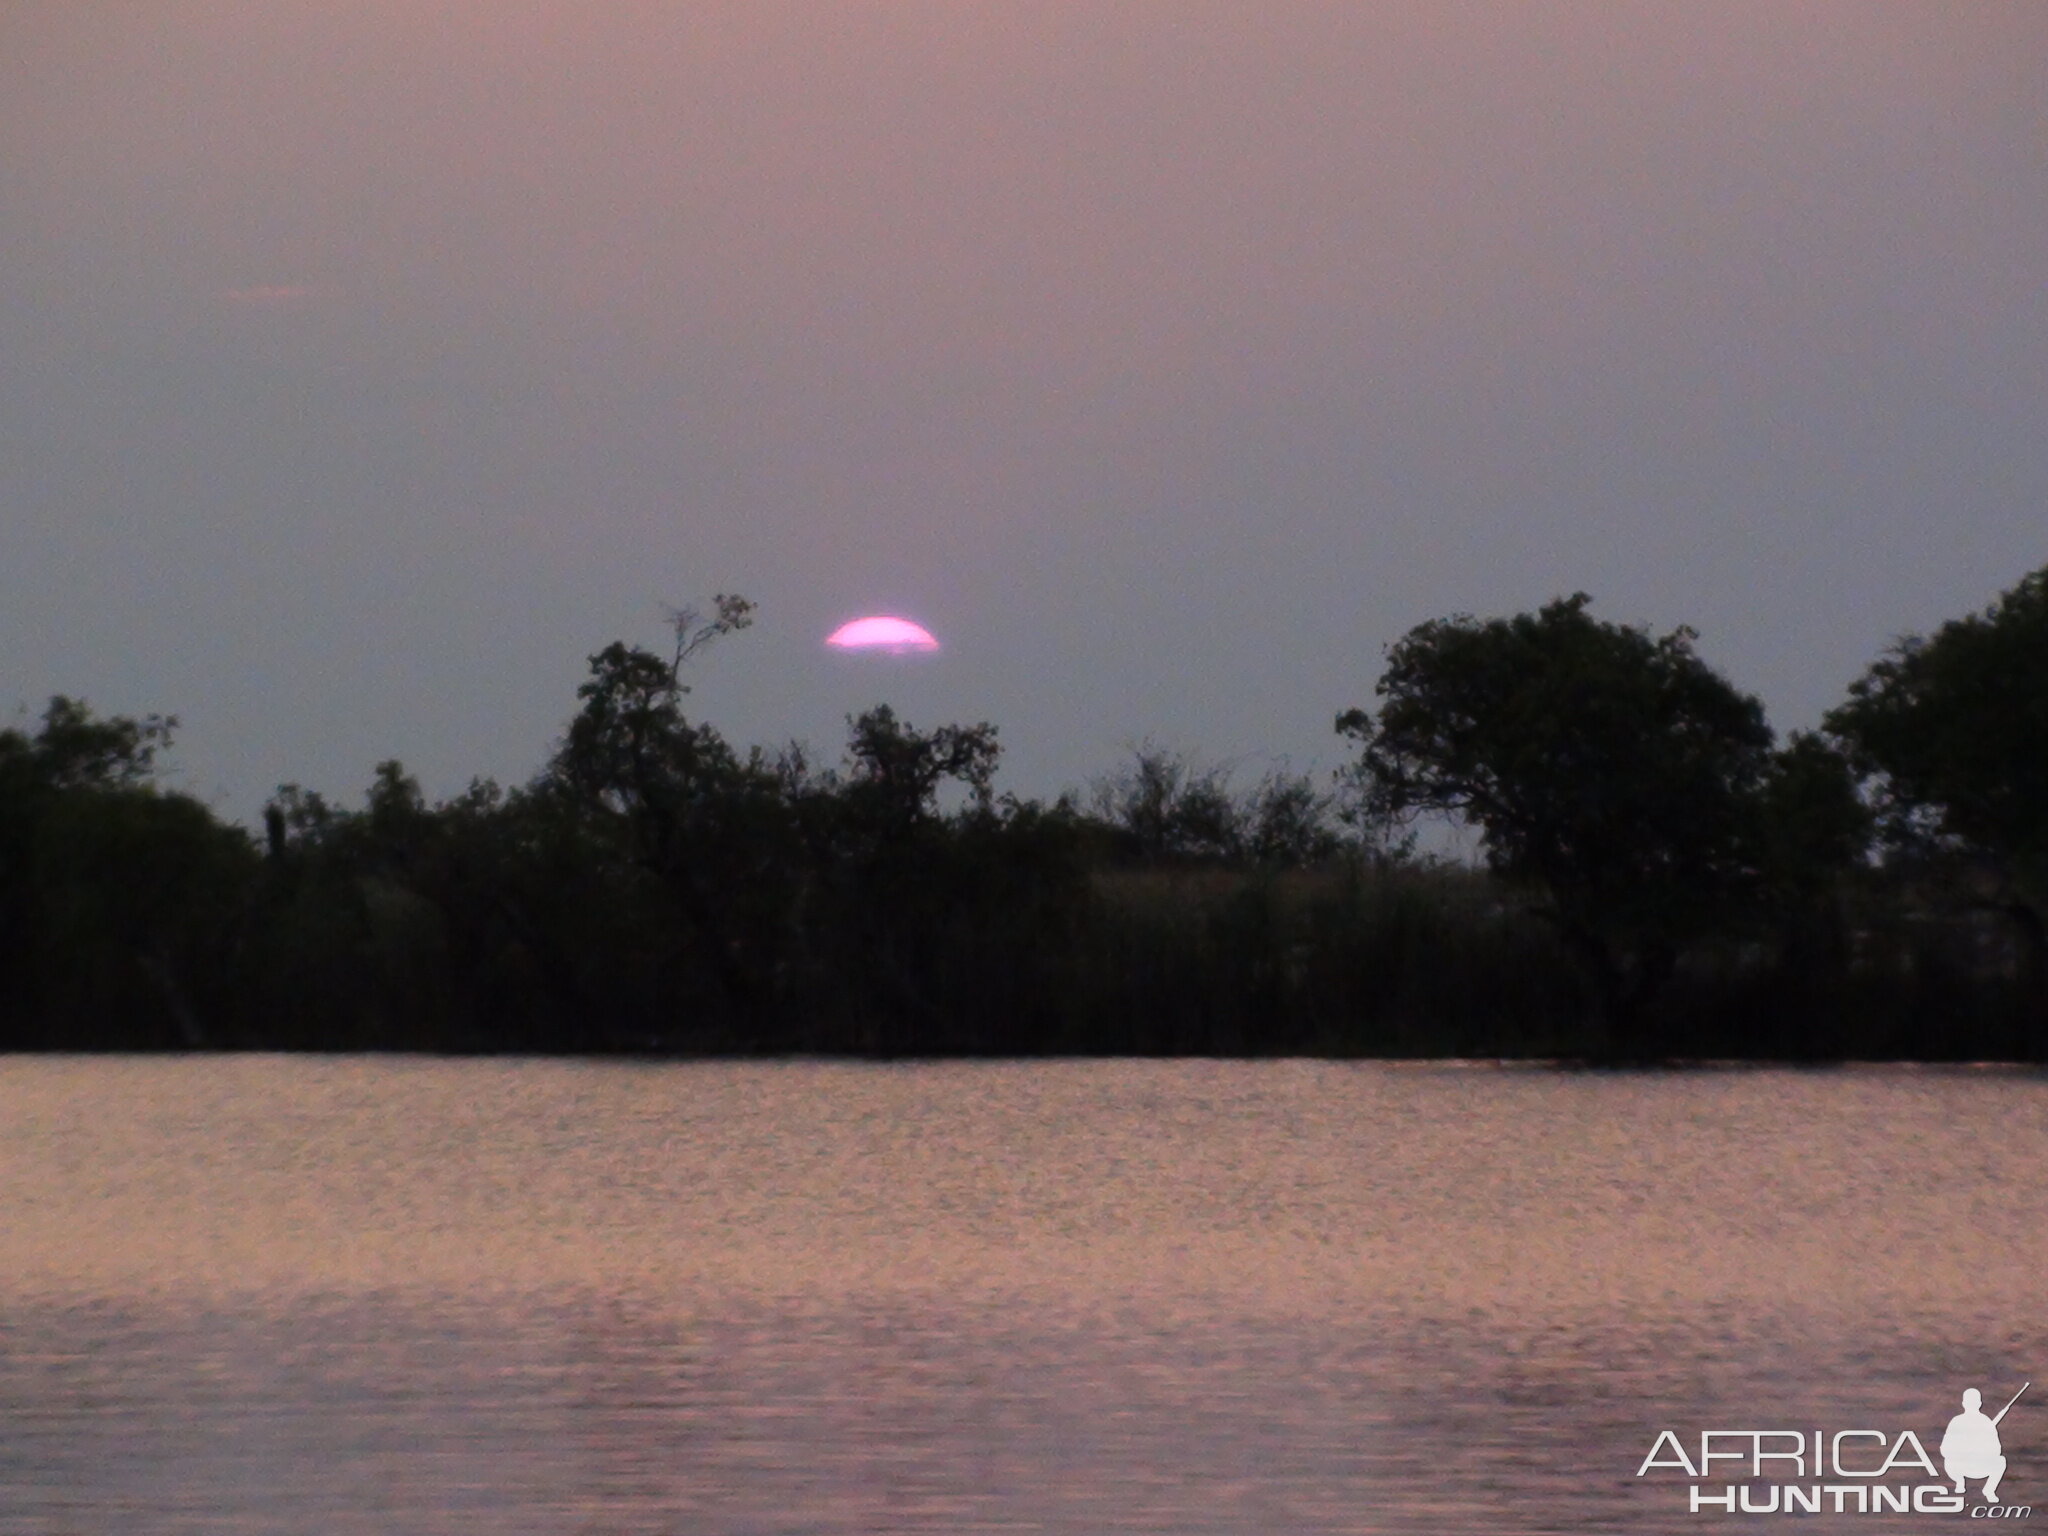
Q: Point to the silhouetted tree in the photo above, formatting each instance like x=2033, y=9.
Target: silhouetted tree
x=1287, y=822
x=1953, y=731
x=74, y=749
x=675, y=801
x=1814, y=823
x=1611, y=768
x=119, y=900
x=1163, y=805
x=1166, y=806
x=896, y=771
x=893, y=901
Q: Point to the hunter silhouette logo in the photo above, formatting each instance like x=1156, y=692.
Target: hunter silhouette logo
x=1851, y=1471
x=1971, y=1449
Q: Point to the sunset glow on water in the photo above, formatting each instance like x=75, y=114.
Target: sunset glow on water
x=311, y=1297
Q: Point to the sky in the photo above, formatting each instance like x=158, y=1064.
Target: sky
x=365, y=367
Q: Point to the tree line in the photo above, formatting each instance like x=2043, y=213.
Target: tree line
x=1663, y=876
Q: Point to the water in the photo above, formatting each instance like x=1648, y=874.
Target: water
x=325, y=1296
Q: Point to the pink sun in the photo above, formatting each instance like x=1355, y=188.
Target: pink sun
x=885, y=633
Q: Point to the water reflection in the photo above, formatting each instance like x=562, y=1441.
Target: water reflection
x=354, y=1296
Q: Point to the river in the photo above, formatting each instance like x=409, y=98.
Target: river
x=393, y=1295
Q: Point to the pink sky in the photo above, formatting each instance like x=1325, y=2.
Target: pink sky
x=366, y=366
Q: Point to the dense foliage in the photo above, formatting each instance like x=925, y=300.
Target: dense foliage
x=1609, y=769
x=1953, y=730
x=1664, y=878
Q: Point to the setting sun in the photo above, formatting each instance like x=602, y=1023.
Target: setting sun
x=883, y=632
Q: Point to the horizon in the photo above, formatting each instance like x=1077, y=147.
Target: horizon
x=363, y=370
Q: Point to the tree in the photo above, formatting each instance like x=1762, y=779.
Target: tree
x=118, y=898
x=1610, y=768
x=1814, y=823
x=897, y=769
x=680, y=805
x=1163, y=805
x=76, y=750
x=630, y=750
x=1952, y=731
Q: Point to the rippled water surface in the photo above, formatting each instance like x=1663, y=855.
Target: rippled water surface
x=313, y=1296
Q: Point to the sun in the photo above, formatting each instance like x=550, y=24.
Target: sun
x=885, y=633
